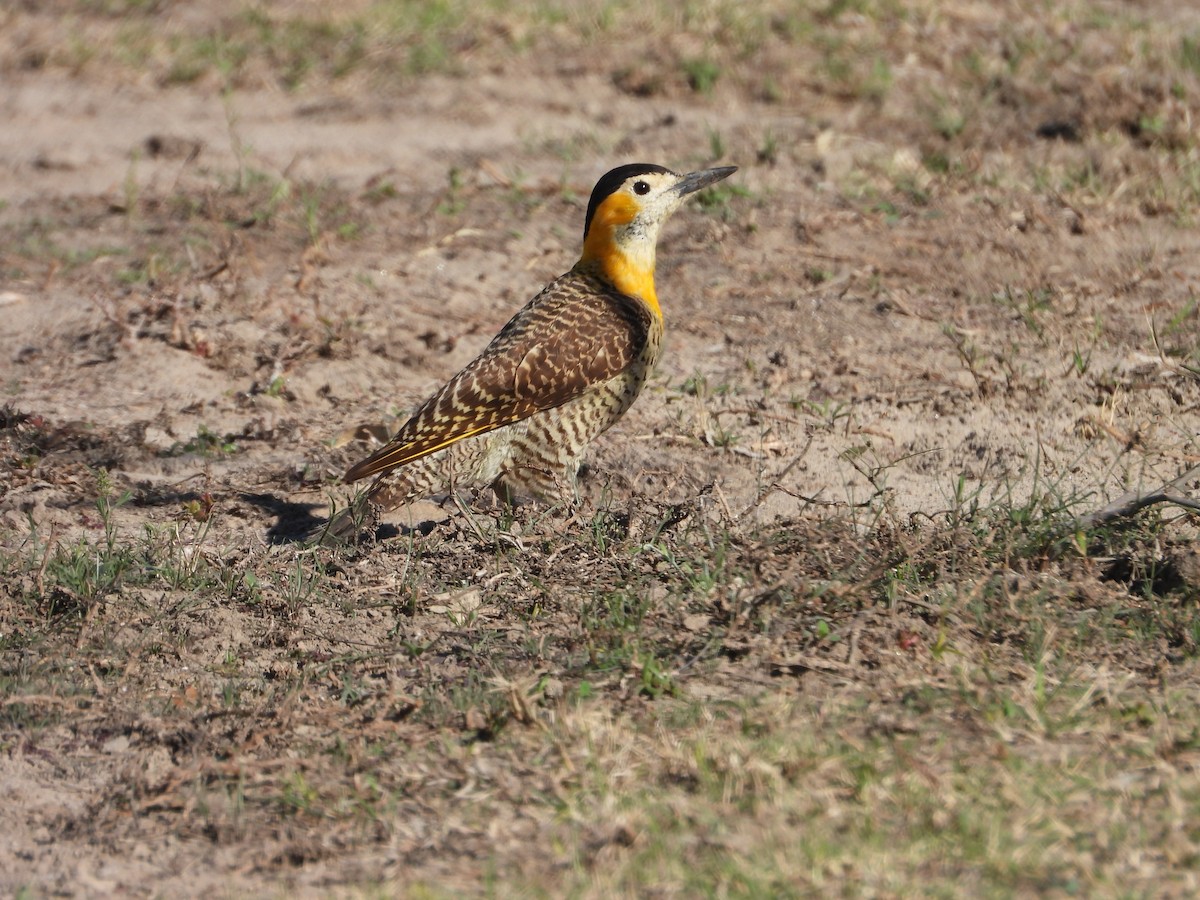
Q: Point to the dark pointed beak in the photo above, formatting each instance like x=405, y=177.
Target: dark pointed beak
x=694, y=181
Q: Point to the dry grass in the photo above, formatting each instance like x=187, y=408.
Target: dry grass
x=688, y=708
x=677, y=690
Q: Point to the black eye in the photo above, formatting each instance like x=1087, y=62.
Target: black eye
x=640, y=187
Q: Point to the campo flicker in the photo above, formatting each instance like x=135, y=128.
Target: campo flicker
x=567, y=366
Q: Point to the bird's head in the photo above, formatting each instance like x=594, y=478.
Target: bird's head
x=626, y=211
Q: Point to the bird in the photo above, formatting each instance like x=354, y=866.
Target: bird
x=566, y=367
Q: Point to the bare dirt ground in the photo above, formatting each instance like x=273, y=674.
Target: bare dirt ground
x=824, y=623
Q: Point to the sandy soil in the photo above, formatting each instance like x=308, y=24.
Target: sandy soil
x=186, y=269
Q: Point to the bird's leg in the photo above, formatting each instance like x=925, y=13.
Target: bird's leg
x=350, y=525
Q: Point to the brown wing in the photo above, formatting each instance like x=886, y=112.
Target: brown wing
x=577, y=332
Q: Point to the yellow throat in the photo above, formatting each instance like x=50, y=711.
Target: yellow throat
x=625, y=260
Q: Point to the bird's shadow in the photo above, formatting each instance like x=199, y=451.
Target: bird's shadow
x=295, y=523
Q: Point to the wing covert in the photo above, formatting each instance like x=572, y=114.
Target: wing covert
x=576, y=333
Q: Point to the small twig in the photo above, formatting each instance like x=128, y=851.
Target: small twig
x=212, y=271
x=724, y=504
x=830, y=257
x=96, y=682
x=852, y=654
x=89, y=619
x=466, y=514
x=1135, y=501
x=925, y=604
x=490, y=168
x=1125, y=506
x=31, y=699
x=774, y=485
x=829, y=504
x=811, y=663
x=756, y=413
x=109, y=309
x=51, y=543
x=904, y=309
